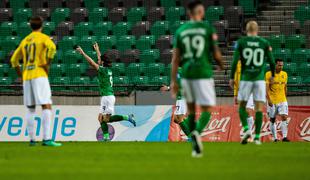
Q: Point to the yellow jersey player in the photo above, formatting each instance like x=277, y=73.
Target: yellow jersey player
x=36, y=50
x=277, y=102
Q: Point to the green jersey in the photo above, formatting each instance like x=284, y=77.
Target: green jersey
x=196, y=40
x=105, y=81
x=179, y=78
x=253, y=51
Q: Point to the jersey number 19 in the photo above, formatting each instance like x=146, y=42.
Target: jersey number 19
x=196, y=43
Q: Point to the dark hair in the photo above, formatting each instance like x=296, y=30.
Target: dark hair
x=193, y=4
x=106, y=60
x=36, y=22
x=279, y=60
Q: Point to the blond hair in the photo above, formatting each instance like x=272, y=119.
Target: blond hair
x=251, y=26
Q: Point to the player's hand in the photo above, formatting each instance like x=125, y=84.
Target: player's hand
x=164, y=88
x=235, y=100
x=79, y=50
x=271, y=80
x=232, y=83
x=174, y=89
x=270, y=104
x=96, y=47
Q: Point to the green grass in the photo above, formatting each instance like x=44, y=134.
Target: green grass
x=136, y=160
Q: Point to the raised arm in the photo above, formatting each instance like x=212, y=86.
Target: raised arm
x=89, y=60
x=96, y=47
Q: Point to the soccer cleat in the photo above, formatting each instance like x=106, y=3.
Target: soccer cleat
x=246, y=136
x=257, y=142
x=275, y=140
x=32, y=143
x=131, y=118
x=285, y=140
x=196, y=144
x=51, y=143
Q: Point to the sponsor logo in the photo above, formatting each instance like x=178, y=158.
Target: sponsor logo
x=305, y=129
x=99, y=133
x=216, y=125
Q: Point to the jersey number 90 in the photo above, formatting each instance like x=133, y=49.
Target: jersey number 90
x=256, y=56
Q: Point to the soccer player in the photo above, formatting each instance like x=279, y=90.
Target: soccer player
x=37, y=51
x=105, y=80
x=277, y=103
x=252, y=51
x=180, y=105
x=195, y=43
x=250, y=103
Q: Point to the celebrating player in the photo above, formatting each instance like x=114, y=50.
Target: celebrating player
x=252, y=50
x=277, y=103
x=194, y=44
x=105, y=81
x=37, y=51
x=180, y=105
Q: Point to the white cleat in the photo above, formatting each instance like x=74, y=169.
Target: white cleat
x=196, y=155
x=246, y=136
x=257, y=142
x=196, y=145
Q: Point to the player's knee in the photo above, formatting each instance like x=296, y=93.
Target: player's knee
x=284, y=117
x=105, y=118
x=46, y=106
x=178, y=119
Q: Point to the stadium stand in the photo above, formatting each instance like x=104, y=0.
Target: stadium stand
x=138, y=34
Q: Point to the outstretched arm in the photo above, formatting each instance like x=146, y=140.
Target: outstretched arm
x=89, y=60
x=96, y=47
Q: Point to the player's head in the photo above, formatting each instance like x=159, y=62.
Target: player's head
x=279, y=65
x=252, y=28
x=196, y=10
x=36, y=23
x=105, y=61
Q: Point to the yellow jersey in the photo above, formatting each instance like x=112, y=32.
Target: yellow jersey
x=35, y=50
x=237, y=78
x=277, y=91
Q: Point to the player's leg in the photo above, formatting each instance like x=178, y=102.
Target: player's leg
x=104, y=119
x=283, y=112
x=250, y=111
x=271, y=111
x=179, y=116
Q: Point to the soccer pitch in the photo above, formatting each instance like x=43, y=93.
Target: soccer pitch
x=142, y=160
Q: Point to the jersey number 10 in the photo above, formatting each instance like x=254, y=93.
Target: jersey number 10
x=196, y=42
x=256, y=55
x=30, y=52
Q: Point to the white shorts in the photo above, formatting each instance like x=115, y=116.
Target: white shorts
x=180, y=107
x=246, y=88
x=250, y=103
x=37, y=91
x=200, y=91
x=277, y=109
x=107, y=104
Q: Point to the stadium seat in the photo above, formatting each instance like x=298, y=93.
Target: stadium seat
x=78, y=15
x=159, y=80
x=61, y=83
x=214, y=13
x=277, y=41
x=284, y=54
x=164, y=42
x=36, y=4
x=53, y=4
x=166, y=56
x=121, y=28
x=64, y=29
x=125, y=42
x=155, y=14
x=72, y=4
x=12, y=73
x=117, y=14
x=159, y=28
x=113, y=55
x=48, y=28
x=9, y=44
x=302, y=13
x=110, y=4
x=303, y=69
x=2, y=56
x=130, y=56
x=145, y=42
x=135, y=15
x=168, y=70
x=22, y=15
x=301, y=55
x=290, y=68
x=150, y=3
x=140, y=28
x=5, y=81
x=221, y=28
x=120, y=80
x=83, y=83
x=67, y=43
x=175, y=14
x=43, y=12
x=60, y=15
x=295, y=41
x=83, y=29
x=102, y=28
x=86, y=42
x=106, y=42
x=234, y=16
x=294, y=80
x=23, y=29
x=167, y=4
x=75, y=70
x=7, y=29
x=154, y=69
x=4, y=68
x=140, y=80
x=5, y=14
x=91, y=4
x=98, y=15
x=249, y=7
x=135, y=69
x=118, y=69
x=17, y=4
x=149, y=56
x=56, y=70
x=306, y=28
x=71, y=57
x=174, y=26
x=290, y=27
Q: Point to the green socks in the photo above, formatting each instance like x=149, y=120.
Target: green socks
x=191, y=122
x=116, y=118
x=185, y=128
x=105, y=129
x=258, y=124
x=203, y=121
x=243, y=118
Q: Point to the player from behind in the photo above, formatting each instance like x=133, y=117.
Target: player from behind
x=37, y=51
x=105, y=80
x=180, y=106
x=252, y=51
x=195, y=43
x=277, y=103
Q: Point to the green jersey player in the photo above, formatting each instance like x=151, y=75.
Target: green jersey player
x=253, y=51
x=195, y=43
x=105, y=80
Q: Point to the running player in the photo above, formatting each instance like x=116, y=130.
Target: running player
x=105, y=80
x=37, y=51
x=277, y=103
x=252, y=50
x=180, y=105
x=195, y=43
